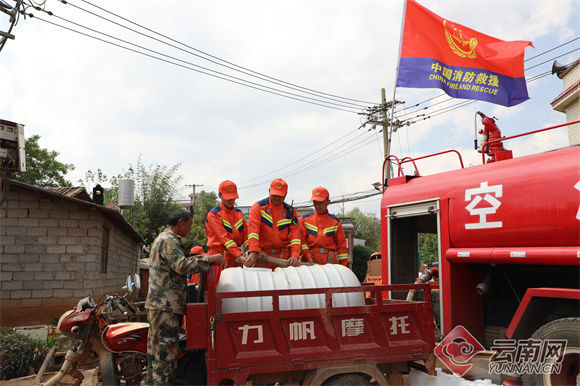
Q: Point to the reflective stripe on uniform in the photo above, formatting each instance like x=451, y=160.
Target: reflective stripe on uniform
x=312, y=229
x=330, y=230
x=284, y=223
x=227, y=225
x=229, y=243
x=304, y=246
x=240, y=224
x=267, y=219
x=343, y=256
x=295, y=242
x=254, y=236
x=245, y=244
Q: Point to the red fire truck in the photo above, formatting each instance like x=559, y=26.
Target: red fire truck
x=508, y=234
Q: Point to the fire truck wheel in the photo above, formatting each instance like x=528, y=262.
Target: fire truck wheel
x=567, y=329
x=347, y=380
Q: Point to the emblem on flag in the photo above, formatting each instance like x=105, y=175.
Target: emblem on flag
x=458, y=44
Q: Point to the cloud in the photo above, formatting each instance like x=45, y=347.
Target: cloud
x=102, y=107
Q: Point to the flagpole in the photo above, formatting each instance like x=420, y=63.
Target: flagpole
x=388, y=169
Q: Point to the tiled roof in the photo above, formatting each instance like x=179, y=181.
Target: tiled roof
x=75, y=192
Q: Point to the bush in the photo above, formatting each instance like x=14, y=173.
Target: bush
x=19, y=355
x=360, y=257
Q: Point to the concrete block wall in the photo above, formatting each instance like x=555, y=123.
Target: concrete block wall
x=50, y=253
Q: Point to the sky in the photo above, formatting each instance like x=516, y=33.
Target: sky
x=101, y=106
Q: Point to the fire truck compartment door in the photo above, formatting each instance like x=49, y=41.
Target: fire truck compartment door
x=516, y=255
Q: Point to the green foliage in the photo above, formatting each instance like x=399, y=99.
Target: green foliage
x=428, y=248
x=19, y=354
x=156, y=192
x=360, y=257
x=42, y=168
x=366, y=228
x=110, y=194
x=197, y=236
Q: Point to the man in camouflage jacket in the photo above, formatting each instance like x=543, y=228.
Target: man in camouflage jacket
x=168, y=270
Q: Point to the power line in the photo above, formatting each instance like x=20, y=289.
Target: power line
x=217, y=60
x=315, y=152
x=239, y=81
x=326, y=158
x=293, y=163
x=293, y=172
x=179, y=60
x=420, y=103
x=343, y=198
x=424, y=108
x=552, y=49
x=549, y=60
x=366, y=141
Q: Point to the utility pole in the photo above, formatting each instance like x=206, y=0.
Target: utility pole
x=12, y=12
x=378, y=116
x=193, y=196
x=386, y=136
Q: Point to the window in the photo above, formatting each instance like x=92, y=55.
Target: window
x=105, y=250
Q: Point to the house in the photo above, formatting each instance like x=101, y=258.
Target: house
x=568, y=101
x=56, y=247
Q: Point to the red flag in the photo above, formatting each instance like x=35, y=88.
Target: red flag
x=438, y=53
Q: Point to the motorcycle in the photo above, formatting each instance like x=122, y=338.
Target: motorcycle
x=119, y=348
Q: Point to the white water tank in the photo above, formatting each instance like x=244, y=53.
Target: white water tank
x=313, y=276
x=126, y=193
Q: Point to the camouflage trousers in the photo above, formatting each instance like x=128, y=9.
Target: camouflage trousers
x=162, y=346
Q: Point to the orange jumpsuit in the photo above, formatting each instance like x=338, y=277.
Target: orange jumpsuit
x=270, y=232
x=323, y=239
x=227, y=232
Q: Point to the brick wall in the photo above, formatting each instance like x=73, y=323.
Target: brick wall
x=50, y=256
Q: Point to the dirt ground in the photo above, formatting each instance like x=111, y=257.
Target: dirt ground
x=90, y=379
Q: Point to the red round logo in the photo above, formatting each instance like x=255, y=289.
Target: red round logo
x=457, y=349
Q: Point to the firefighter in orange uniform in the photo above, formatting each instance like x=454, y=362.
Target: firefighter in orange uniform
x=273, y=227
x=323, y=239
x=226, y=228
x=194, y=277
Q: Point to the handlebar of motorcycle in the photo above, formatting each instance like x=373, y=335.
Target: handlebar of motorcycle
x=120, y=307
x=128, y=305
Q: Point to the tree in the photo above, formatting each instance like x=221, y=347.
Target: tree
x=366, y=228
x=42, y=168
x=428, y=248
x=197, y=236
x=156, y=191
x=360, y=257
